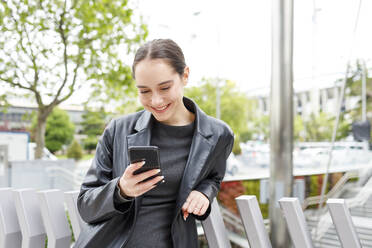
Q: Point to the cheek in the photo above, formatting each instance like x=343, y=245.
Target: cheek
x=177, y=93
x=143, y=100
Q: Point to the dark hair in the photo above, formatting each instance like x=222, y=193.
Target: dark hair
x=165, y=49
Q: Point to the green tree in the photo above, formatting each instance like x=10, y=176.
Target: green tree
x=260, y=127
x=234, y=105
x=49, y=49
x=74, y=151
x=93, y=125
x=320, y=127
x=298, y=129
x=94, y=122
x=354, y=89
x=59, y=129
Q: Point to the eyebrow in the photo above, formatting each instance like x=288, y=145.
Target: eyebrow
x=160, y=84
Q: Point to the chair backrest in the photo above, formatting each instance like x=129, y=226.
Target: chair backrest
x=29, y=218
x=71, y=203
x=214, y=228
x=296, y=222
x=253, y=222
x=10, y=231
x=54, y=218
x=344, y=225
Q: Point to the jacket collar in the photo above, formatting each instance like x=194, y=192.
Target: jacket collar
x=202, y=125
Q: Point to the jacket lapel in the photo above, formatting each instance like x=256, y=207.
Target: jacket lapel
x=199, y=151
x=142, y=136
x=201, y=147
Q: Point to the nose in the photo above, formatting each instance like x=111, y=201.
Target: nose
x=156, y=100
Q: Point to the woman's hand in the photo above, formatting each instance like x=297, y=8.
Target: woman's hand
x=196, y=203
x=132, y=185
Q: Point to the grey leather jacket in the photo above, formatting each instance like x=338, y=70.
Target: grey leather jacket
x=110, y=224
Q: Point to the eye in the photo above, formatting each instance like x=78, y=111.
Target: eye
x=144, y=91
x=166, y=88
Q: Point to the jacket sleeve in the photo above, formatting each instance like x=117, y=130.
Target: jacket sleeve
x=97, y=200
x=211, y=185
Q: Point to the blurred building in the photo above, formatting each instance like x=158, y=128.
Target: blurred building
x=311, y=100
x=18, y=118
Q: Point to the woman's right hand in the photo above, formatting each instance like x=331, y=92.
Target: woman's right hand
x=132, y=185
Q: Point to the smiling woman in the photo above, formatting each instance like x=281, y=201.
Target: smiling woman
x=120, y=205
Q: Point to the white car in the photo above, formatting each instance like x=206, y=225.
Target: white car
x=232, y=165
x=47, y=155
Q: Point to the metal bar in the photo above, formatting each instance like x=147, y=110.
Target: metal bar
x=214, y=228
x=344, y=225
x=296, y=222
x=281, y=118
x=54, y=218
x=76, y=222
x=253, y=222
x=10, y=231
x=29, y=217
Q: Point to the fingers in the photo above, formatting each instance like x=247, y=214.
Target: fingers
x=132, y=185
x=144, y=175
x=196, y=203
x=133, y=167
x=204, y=209
x=192, y=205
x=146, y=186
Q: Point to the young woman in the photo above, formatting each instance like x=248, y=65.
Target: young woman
x=123, y=211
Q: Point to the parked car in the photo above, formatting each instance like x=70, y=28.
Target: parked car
x=47, y=155
x=233, y=165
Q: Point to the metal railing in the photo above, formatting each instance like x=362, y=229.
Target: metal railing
x=313, y=200
x=28, y=217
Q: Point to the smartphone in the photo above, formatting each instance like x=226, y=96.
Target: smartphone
x=149, y=154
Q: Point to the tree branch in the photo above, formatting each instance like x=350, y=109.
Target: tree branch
x=72, y=87
x=64, y=40
x=9, y=81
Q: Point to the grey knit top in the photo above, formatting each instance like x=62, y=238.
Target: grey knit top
x=153, y=225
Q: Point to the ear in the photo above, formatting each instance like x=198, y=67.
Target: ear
x=185, y=76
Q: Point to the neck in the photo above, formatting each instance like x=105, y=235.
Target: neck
x=184, y=117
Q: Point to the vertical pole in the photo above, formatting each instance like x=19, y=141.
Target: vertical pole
x=218, y=90
x=218, y=98
x=364, y=76
x=364, y=99
x=281, y=118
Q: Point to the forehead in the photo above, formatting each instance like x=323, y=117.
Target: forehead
x=153, y=71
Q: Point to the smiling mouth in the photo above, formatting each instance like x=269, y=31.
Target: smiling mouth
x=161, y=109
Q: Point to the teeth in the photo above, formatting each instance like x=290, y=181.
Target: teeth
x=161, y=108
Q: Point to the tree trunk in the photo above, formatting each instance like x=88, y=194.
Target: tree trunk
x=42, y=116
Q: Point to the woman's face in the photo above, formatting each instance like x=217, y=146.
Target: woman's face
x=160, y=90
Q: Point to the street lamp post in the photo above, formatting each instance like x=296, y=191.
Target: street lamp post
x=281, y=118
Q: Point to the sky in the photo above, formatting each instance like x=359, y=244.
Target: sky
x=232, y=39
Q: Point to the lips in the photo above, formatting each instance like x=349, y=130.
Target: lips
x=161, y=109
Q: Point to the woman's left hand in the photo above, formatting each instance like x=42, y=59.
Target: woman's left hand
x=196, y=203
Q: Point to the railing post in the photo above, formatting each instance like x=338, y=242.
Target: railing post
x=76, y=222
x=264, y=191
x=29, y=217
x=253, y=222
x=10, y=231
x=54, y=218
x=344, y=225
x=299, y=189
x=214, y=228
x=296, y=222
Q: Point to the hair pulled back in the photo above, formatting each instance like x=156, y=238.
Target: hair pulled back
x=165, y=49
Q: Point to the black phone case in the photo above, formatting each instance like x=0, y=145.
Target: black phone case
x=149, y=154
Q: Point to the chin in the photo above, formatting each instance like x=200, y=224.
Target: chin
x=161, y=117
